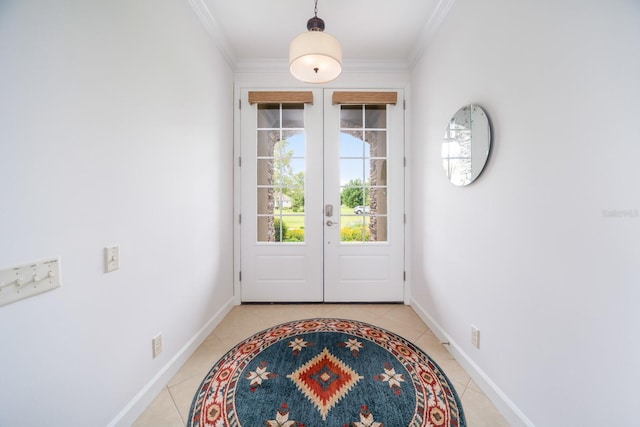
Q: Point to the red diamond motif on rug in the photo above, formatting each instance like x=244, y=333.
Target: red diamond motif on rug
x=324, y=380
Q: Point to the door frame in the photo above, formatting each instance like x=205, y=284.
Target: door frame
x=370, y=83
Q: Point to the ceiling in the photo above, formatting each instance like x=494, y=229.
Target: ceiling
x=392, y=32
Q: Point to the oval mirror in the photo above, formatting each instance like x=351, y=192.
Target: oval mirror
x=466, y=144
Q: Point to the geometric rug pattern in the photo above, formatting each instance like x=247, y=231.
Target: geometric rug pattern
x=326, y=372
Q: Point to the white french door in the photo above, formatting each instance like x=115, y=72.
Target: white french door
x=322, y=197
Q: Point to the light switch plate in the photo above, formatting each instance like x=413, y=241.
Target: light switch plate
x=27, y=280
x=111, y=258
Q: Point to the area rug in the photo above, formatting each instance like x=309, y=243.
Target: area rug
x=326, y=372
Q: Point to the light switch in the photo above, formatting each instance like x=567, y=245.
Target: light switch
x=27, y=280
x=111, y=258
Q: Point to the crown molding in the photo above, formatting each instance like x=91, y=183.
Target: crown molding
x=211, y=26
x=429, y=30
x=349, y=66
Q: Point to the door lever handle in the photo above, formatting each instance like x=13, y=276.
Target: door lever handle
x=330, y=223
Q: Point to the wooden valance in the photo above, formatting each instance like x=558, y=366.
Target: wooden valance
x=281, y=97
x=365, y=98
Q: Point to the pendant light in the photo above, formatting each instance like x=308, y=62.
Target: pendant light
x=315, y=56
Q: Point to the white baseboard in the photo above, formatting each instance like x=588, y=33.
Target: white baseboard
x=507, y=408
x=139, y=403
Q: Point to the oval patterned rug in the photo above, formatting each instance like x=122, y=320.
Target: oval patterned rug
x=326, y=372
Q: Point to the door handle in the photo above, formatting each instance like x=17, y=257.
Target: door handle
x=328, y=210
x=330, y=223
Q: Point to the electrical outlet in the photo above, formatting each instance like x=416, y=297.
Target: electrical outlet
x=157, y=345
x=475, y=336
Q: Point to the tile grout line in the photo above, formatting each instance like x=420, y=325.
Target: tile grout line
x=466, y=387
x=175, y=406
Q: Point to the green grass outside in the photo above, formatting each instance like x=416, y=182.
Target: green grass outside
x=297, y=222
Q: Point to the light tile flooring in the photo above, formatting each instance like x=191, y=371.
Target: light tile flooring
x=171, y=407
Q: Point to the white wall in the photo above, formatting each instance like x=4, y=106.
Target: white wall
x=115, y=128
x=530, y=253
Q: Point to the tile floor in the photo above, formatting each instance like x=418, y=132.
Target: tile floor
x=171, y=407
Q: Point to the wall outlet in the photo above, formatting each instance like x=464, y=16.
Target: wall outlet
x=475, y=336
x=157, y=345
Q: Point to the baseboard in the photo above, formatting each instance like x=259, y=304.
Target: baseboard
x=507, y=408
x=139, y=403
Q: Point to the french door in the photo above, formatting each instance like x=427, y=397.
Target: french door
x=322, y=196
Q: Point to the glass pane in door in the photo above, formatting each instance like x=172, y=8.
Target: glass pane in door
x=363, y=173
x=280, y=182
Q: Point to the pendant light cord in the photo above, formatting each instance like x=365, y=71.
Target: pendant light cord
x=315, y=9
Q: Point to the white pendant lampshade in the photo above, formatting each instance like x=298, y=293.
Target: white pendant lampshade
x=315, y=56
